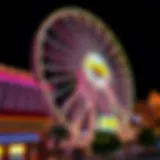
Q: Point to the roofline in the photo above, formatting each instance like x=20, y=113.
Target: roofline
x=22, y=73
x=10, y=70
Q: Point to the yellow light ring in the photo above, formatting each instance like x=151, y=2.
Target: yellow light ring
x=98, y=67
x=90, y=19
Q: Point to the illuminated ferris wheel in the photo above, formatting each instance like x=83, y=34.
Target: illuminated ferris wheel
x=85, y=66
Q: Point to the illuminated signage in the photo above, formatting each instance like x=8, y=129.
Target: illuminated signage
x=1, y=152
x=15, y=149
x=107, y=123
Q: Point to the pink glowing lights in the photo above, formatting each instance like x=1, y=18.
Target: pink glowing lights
x=75, y=53
x=15, y=76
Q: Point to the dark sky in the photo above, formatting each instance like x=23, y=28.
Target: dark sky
x=136, y=24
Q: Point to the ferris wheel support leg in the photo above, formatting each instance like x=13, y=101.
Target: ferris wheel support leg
x=77, y=122
x=116, y=105
x=122, y=113
x=69, y=102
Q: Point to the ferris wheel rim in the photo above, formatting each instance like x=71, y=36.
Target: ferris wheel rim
x=62, y=12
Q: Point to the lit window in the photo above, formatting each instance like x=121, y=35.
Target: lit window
x=1, y=152
x=17, y=151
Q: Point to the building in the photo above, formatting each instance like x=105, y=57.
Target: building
x=154, y=103
x=146, y=114
x=149, y=111
x=24, y=115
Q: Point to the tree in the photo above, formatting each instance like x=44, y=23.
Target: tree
x=60, y=132
x=146, y=137
x=114, y=142
x=105, y=142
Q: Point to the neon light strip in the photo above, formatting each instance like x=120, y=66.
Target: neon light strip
x=17, y=79
x=16, y=138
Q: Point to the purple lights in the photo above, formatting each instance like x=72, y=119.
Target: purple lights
x=19, y=93
x=17, y=98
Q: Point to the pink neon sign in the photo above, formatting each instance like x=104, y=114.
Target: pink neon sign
x=18, y=79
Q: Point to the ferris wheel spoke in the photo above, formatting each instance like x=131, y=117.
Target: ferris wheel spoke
x=87, y=107
x=79, y=115
x=75, y=34
x=89, y=132
x=85, y=44
x=112, y=97
x=72, y=27
x=89, y=43
x=104, y=105
x=59, y=68
x=65, y=34
x=52, y=53
x=78, y=118
x=96, y=38
x=99, y=47
x=63, y=91
x=119, y=60
x=92, y=119
x=114, y=101
x=60, y=79
x=59, y=57
x=68, y=104
x=113, y=51
x=58, y=46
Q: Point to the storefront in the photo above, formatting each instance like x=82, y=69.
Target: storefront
x=24, y=116
x=16, y=149
x=22, y=143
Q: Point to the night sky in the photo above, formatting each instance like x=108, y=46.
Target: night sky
x=136, y=24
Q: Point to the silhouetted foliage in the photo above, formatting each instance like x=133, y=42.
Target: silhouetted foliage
x=105, y=142
x=146, y=137
x=78, y=154
x=59, y=132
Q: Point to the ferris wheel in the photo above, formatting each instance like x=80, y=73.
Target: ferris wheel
x=78, y=56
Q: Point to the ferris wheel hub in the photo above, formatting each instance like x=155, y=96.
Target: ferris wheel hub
x=96, y=70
